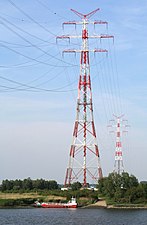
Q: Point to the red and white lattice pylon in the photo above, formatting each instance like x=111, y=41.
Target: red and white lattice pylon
x=84, y=159
x=118, y=124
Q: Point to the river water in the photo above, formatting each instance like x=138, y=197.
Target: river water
x=37, y=216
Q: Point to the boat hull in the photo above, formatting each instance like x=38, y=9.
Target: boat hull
x=71, y=204
x=46, y=205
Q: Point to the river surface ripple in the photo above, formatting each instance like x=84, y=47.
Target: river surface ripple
x=37, y=216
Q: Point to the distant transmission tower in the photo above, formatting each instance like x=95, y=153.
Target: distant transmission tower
x=84, y=159
x=119, y=125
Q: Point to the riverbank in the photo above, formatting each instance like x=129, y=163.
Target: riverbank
x=98, y=204
x=26, y=200
x=102, y=204
x=132, y=206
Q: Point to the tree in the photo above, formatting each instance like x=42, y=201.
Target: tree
x=39, y=184
x=76, y=186
x=144, y=186
x=110, y=184
x=52, y=185
x=135, y=194
x=7, y=185
x=121, y=188
x=27, y=184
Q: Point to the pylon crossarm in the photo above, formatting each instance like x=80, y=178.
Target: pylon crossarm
x=75, y=23
x=70, y=51
x=100, y=50
x=82, y=16
x=91, y=13
x=68, y=36
x=125, y=131
x=118, y=117
x=69, y=23
x=77, y=13
x=101, y=36
x=106, y=36
x=100, y=22
x=87, y=50
x=63, y=37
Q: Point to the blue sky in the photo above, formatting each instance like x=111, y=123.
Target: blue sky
x=38, y=86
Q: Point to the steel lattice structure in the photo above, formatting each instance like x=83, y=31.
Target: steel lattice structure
x=84, y=158
x=118, y=165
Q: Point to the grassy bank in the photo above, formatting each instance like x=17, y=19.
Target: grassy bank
x=111, y=203
x=84, y=197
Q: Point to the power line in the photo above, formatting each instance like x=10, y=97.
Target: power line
x=33, y=45
x=28, y=57
x=33, y=87
x=16, y=45
x=27, y=15
x=47, y=8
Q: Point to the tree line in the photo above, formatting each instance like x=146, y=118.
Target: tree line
x=116, y=188
x=28, y=185
x=123, y=188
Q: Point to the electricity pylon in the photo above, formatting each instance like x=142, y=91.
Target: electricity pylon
x=118, y=124
x=84, y=157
